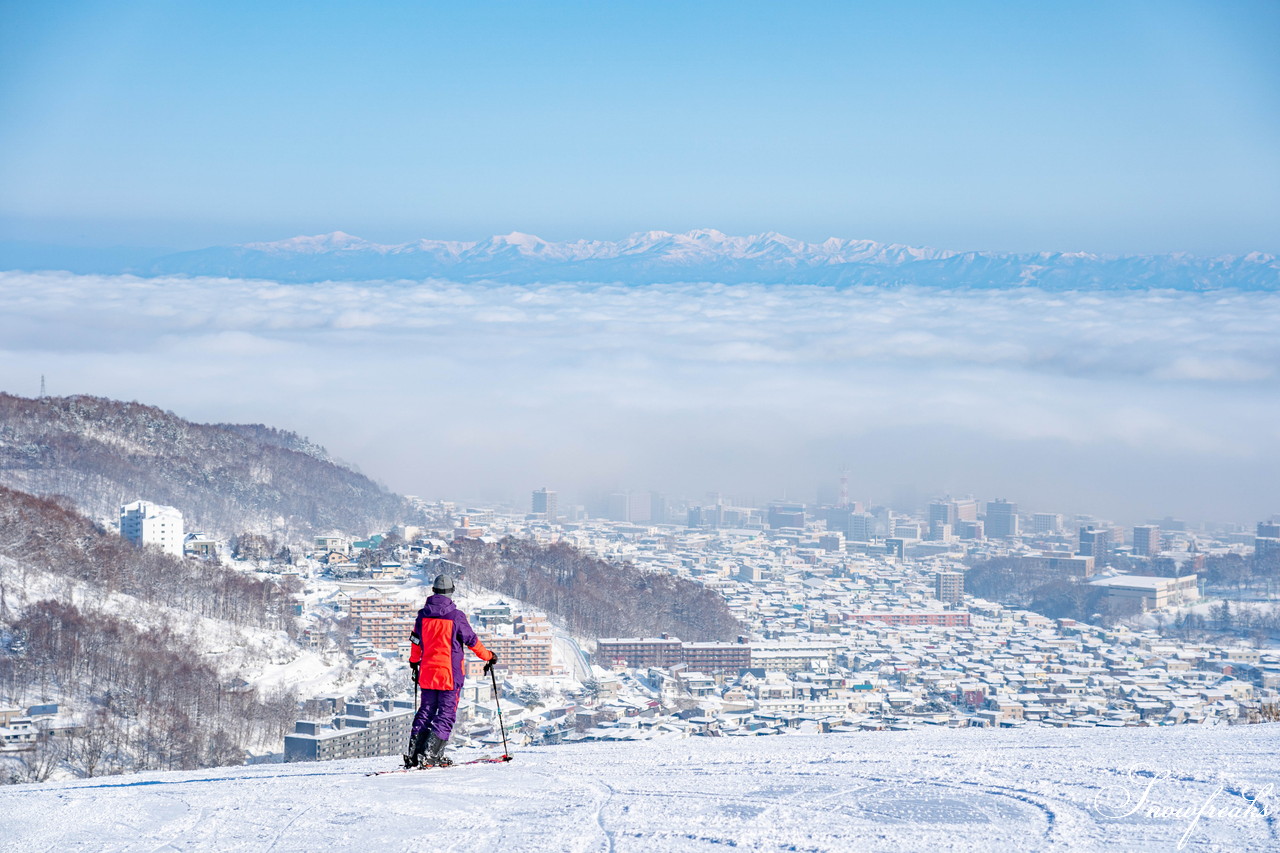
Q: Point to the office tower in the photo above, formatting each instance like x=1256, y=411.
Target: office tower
x=1146, y=540
x=786, y=515
x=618, y=507
x=970, y=530
x=544, y=503
x=861, y=527
x=1095, y=542
x=638, y=507
x=941, y=512
x=1002, y=519
x=1268, y=530
x=1046, y=523
x=951, y=512
x=658, y=512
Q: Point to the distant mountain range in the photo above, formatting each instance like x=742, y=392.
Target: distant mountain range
x=706, y=255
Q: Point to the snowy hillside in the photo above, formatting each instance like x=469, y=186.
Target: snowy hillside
x=1032, y=789
x=226, y=478
x=708, y=255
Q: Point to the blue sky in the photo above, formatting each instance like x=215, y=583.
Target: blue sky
x=1115, y=127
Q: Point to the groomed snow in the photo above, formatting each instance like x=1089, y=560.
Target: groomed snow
x=1029, y=789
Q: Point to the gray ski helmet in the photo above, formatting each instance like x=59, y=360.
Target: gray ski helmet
x=442, y=585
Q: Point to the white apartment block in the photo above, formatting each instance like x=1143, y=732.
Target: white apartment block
x=144, y=523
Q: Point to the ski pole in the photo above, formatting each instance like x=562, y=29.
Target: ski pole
x=418, y=695
x=497, y=701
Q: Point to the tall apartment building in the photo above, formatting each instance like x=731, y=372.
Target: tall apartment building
x=544, y=503
x=144, y=523
x=1095, y=542
x=384, y=622
x=1046, y=523
x=1146, y=540
x=1002, y=519
x=519, y=654
x=949, y=587
x=639, y=652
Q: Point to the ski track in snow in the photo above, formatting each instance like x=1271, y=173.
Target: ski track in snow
x=937, y=790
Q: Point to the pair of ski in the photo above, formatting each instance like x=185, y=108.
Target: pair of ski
x=486, y=759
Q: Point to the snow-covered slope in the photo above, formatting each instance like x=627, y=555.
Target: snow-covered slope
x=708, y=255
x=1032, y=789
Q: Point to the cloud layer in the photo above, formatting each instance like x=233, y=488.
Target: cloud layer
x=1129, y=404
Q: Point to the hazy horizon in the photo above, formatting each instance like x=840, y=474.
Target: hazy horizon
x=1126, y=405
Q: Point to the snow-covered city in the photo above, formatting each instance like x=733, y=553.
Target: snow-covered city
x=818, y=426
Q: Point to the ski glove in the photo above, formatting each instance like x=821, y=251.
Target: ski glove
x=488, y=665
x=413, y=668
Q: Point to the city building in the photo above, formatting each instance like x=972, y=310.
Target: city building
x=1146, y=540
x=618, y=507
x=1150, y=592
x=948, y=511
x=1095, y=542
x=639, y=507
x=943, y=618
x=527, y=652
x=786, y=515
x=363, y=731
x=1002, y=519
x=1056, y=567
x=659, y=512
x=861, y=527
x=638, y=652
x=144, y=523
x=1046, y=523
x=715, y=658
x=666, y=652
x=544, y=504
x=949, y=587
x=384, y=622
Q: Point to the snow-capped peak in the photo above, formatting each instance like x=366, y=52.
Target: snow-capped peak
x=318, y=243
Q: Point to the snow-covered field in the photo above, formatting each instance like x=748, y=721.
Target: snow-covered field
x=1030, y=789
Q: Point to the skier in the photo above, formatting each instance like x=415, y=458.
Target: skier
x=439, y=633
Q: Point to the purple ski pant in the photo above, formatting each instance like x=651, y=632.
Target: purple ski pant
x=437, y=711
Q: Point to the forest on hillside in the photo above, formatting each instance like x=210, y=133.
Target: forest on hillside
x=145, y=696
x=594, y=597
x=223, y=478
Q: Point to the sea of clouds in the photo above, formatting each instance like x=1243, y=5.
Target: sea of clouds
x=1128, y=404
